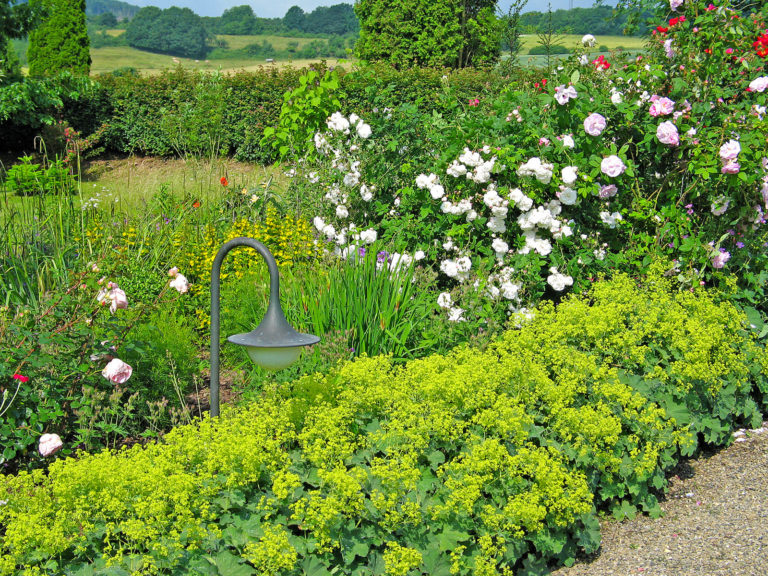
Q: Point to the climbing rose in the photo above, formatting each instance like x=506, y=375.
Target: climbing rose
x=730, y=150
x=49, y=445
x=117, y=371
x=594, y=124
x=759, y=84
x=612, y=166
x=667, y=134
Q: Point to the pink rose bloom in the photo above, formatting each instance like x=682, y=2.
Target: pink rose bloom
x=661, y=106
x=612, y=166
x=594, y=124
x=675, y=4
x=669, y=51
x=719, y=259
x=607, y=191
x=667, y=134
x=117, y=371
x=119, y=300
x=730, y=168
x=759, y=84
x=563, y=94
x=720, y=205
x=173, y=271
x=49, y=445
x=180, y=283
x=730, y=150
x=544, y=141
x=764, y=192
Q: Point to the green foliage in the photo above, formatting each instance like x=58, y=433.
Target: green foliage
x=28, y=179
x=60, y=42
x=303, y=113
x=177, y=31
x=596, y=20
x=544, y=50
x=469, y=463
x=237, y=20
x=443, y=33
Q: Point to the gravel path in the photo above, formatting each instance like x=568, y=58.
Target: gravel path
x=715, y=521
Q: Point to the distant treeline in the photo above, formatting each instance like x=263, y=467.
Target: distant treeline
x=598, y=21
x=121, y=10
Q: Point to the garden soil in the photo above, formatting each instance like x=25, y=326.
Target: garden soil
x=715, y=521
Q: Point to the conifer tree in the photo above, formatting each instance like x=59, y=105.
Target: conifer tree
x=60, y=42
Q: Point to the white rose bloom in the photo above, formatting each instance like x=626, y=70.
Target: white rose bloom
x=369, y=236
x=456, y=169
x=319, y=223
x=569, y=174
x=329, y=231
x=456, y=315
x=583, y=60
x=341, y=211
x=444, y=300
x=500, y=247
x=436, y=191
x=588, y=40
x=497, y=225
x=617, y=98
x=568, y=141
x=464, y=264
x=471, y=215
x=471, y=158
x=558, y=281
x=419, y=255
x=366, y=193
x=449, y=268
x=610, y=220
x=352, y=179
x=509, y=290
x=363, y=130
x=568, y=196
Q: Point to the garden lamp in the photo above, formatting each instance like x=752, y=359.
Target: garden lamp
x=274, y=344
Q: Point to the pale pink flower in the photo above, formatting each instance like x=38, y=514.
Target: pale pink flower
x=49, y=445
x=173, y=271
x=180, y=283
x=730, y=168
x=661, y=106
x=668, y=49
x=612, y=166
x=114, y=296
x=675, y=4
x=117, y=371
x=730, y=150
x=719, y=259
x=759, y=84
x=607, y=191
x=565, y=93
x=667, y=134
x=594, y=124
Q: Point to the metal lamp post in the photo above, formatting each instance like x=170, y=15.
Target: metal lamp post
x=274, y=344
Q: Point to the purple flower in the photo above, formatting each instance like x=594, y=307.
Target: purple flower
x=739, y=244
x=382, y=256
x=719, y=259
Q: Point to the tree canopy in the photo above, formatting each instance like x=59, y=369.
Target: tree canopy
x=60, y=42
x=175, y=31
x=448, y=33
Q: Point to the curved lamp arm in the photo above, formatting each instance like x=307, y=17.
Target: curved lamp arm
x=274, y=332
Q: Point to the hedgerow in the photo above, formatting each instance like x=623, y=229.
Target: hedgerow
x=482, y=462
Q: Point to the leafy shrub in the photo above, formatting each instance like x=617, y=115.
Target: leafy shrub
x=554, y=49
x=463, y=463
x=28, y=179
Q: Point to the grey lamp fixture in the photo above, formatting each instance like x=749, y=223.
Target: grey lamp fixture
x=274, y=344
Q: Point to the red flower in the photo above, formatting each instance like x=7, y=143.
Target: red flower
x=676, y=21
x=21, y=378
x=196, y=204
x=662, y=29
x=472, y=102
x=224, y=181
x=601, y=62
x=761, y=45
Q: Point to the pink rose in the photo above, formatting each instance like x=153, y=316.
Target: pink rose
x=173, y=271
x=730, y=150
x=563, y=94
x=612, y=166
x=49, y=445
x=180, y=283
x=607, y=191
x=675, y=4
x=730, y=168
x=117, y=371
x=661, y=106
x=759, y=84
x=667, y=134
x=114, y=296
x=594, y=124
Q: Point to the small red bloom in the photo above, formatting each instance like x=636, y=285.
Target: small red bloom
x=662, y=29
x=196, y=204
x=601, y=62
x=224, y=181
x=21, y=378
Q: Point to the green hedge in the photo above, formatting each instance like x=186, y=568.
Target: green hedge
x=477, y=462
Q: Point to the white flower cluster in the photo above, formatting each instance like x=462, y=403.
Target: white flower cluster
x=432, y=183
x=557, y=280
x=610, y=219
x=536, y=169
x=472, y=165
x=501, y=285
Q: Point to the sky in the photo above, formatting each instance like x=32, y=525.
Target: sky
x=278, y=8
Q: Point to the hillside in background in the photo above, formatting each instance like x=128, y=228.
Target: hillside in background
x=597, y=20
x=121, y=10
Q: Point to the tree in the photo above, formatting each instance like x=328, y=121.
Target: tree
x=294, y=18
x=60, y=42
x=448, y=33
x=176, y=31
x=238, y=21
